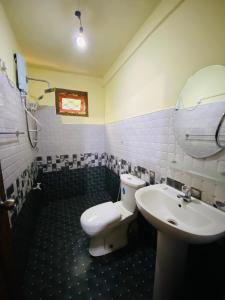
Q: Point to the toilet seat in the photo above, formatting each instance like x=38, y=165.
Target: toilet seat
x=99, y=217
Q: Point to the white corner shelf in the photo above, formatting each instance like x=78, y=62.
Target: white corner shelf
x=214, y=176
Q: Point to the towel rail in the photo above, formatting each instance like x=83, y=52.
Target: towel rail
x=205, y=137
x=216, y=137
x=17, y=132
x=189, y=136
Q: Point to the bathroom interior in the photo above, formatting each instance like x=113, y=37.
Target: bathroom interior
x=112, y=149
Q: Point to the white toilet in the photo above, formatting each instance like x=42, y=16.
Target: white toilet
x=107, y=223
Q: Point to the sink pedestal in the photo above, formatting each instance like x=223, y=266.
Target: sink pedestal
x=170, y=266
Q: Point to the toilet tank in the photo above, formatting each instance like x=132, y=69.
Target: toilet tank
x=129, y=184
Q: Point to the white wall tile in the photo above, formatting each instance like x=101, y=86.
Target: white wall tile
x=57, y=138
x=16, y=154
x=149, y=141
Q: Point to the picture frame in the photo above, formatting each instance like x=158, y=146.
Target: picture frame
x=71, y=102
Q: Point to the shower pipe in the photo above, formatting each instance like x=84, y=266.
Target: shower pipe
x=32, y=143
x=46, y=91
x=29, y=113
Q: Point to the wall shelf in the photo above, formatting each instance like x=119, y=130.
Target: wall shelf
x=214, y=176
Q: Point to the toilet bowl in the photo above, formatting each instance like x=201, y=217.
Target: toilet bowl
x=107, y=223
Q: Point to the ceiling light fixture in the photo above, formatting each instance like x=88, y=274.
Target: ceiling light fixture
x=80, y=39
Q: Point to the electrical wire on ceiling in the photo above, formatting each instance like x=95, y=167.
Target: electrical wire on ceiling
x=80, y=38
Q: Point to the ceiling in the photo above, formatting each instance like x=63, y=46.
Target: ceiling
x=45, y=31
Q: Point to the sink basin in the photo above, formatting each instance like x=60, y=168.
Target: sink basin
x=178, y=223
x=193, y=222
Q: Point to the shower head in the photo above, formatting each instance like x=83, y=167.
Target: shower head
x=40, y=97
x=49, y=90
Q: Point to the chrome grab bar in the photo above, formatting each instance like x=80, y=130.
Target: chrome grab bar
x=17, y=133
x=218, y=131
x=188, y=135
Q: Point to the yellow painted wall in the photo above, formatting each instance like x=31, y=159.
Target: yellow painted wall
x=8, y=44
x=179, y=38
x=93, y=85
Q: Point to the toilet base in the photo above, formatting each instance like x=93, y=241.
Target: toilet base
x=110, y=241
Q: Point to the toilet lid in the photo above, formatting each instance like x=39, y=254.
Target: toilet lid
x=100, y=216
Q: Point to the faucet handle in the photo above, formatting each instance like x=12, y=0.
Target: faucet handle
x=220, y=205
x=162, y=180
x=186, y=190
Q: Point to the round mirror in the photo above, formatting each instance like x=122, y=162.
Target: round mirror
x=199, y=116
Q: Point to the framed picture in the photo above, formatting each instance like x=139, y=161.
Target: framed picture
x=71, y=103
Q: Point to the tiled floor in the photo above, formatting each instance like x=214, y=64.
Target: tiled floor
x=60, y=267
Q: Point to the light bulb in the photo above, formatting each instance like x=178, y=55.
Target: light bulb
x=81, y=42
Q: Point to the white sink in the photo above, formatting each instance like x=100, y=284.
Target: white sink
x=195, y=222
x=178, y=223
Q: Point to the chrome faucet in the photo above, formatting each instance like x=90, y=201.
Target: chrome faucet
x=220, y=205
x=187, y=193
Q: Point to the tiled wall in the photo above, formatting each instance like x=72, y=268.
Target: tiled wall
x=16, y=155
x=144, y=145
x=120, y=166
x=71, y=183
x=148, y=141
x=56, y=138
x=20, y=188
x=62, y=162
x=68, y=146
